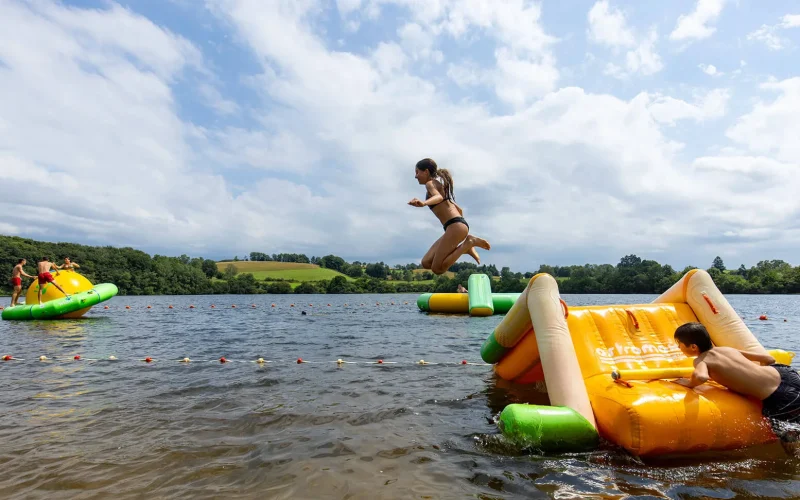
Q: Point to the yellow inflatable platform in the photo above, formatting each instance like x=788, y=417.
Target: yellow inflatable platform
x=612, y=366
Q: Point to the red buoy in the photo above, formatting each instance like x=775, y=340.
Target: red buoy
x=380, y=361
x=148, y=359
x=463, y=361
x=763, y=317
x=8, y=357
x=191, y=307
x=170, y=307
x=106, y=307
x=77, y=357
x=223, y=360
x=299, y=360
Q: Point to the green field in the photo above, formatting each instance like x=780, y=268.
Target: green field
x=282, y=270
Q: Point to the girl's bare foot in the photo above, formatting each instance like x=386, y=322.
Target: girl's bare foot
x=478, y=242
x=474, y=254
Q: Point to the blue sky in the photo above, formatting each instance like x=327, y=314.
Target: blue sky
x=576, y=131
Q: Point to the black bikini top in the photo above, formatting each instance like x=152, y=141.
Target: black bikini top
x=447, y=198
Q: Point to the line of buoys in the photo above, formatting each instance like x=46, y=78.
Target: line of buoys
x=259, y=360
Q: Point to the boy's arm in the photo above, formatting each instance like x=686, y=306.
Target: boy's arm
x=763, y=359
x=699, y=376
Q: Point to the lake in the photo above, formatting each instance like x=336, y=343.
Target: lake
x=205, y=429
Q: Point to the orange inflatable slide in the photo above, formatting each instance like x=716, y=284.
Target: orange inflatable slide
x=607, y=371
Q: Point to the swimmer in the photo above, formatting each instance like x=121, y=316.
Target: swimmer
x=461, y=289
x=456, y=240
x=45, y=277
x=16, y=280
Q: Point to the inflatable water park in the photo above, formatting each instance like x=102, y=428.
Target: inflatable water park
x=607, y=369
x=83, y=295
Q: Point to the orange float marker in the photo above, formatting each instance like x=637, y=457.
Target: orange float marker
x=170, y=307
x=148, y=359
x=77, y=357
x=191, y=307
x=8, y=357
x=105, y=307
x=223, y=360
x=763, y=317
x=299, y=360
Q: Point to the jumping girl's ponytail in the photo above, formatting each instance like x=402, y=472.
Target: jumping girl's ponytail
x=443, y=174
x=447, y=183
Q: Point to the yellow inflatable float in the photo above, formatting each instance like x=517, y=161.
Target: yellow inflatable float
x=607, y=371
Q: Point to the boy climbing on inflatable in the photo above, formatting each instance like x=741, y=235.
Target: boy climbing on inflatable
x=16, y=280
x=45, y=277
x=776, y=385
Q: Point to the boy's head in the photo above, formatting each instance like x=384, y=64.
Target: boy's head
x=693, y=339
x=44, y=259
x=22, y=261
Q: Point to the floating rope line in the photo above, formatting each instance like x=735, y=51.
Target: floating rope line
x=252, y=306
x=224, y=360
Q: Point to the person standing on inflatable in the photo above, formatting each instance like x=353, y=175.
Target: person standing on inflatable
x=16, y=280
x=68, y=265
x=45, y=277
x=456, y=240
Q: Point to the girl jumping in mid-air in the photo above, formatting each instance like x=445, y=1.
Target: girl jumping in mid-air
x=456, y=240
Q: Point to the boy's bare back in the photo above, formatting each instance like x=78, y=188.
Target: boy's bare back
x=44, y=266
x=731, y=368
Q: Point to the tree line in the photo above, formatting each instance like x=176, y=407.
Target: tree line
x=138, y=273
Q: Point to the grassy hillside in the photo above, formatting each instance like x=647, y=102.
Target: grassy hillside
x=282, y=270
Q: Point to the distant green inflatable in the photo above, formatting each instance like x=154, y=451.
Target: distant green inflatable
x=57, y=308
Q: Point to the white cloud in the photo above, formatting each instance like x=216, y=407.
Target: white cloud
x=699, y=24
x=770, y=34
x=772, y=127
x=214, y=100
x=418, y=43
x=790, y=21
x=644, y=58
x=710, y=70
x=609, y=26
x=668, y=110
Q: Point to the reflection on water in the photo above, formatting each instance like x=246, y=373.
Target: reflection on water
x=320, y=430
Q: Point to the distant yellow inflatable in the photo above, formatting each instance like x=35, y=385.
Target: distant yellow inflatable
x=607, y=370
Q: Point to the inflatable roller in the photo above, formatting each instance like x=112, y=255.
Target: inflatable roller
x=548, y=428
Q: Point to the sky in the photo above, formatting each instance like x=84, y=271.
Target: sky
x=576, y=131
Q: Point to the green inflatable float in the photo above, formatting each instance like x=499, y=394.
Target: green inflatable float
x=57, y=308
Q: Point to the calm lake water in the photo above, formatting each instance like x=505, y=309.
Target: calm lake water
x=129, y=429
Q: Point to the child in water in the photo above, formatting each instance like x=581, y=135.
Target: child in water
x=456, y=240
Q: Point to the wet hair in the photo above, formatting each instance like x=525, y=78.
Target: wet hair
x=44, y=259
x=441, y=173
x=694, y=333
x=20, y=261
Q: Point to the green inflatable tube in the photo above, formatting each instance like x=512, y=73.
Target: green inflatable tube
x=492, y=351
x=548, y=428
x=423, y=302
x=503, y=302
x=480, y=295
x=59, y=307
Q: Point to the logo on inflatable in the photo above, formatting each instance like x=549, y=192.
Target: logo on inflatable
x=649, y=352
